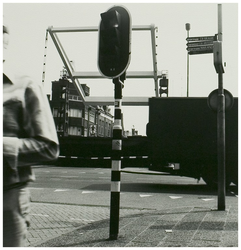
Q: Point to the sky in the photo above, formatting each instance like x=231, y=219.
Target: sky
x=28, y=22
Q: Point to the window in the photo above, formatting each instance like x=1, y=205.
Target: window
x=86, y=114
x=75, y=113
x=75, y=98
x=74, y=130
x=55, y=112
x=92, y=118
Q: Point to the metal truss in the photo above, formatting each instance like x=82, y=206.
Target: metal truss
x=76, y=75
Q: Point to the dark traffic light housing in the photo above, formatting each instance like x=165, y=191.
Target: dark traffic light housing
x=163, y=86
x=114, y=42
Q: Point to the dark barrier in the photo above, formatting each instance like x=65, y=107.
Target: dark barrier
x=96, y=151
x=184, y=130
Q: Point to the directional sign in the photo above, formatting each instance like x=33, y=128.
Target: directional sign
x=200, y=44
x=201, y=38
x=209, y=47
x=200, y=52
x=194, y=44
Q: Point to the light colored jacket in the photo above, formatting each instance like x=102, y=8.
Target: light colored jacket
x=29, y=134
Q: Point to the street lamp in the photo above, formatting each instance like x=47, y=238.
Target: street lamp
x=188, y=27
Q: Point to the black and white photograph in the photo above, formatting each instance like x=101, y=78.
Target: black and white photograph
x=120, y=124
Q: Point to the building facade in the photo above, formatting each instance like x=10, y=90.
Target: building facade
x=73, y=117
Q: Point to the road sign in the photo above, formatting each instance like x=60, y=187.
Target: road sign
x=201, y=38
x=200, y=45
x=200, y=48
x=200, y=52
x=194, y=44
x=213, y=100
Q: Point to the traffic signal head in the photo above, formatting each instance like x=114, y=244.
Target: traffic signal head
x=114, y=42
x=164, y=82
x=163, y=86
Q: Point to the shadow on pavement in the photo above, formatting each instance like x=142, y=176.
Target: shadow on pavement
x=200, y=189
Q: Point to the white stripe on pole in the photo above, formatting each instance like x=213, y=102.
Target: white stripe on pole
x=115, y=186
x=116, y=165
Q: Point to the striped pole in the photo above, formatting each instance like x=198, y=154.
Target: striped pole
x=116, y=162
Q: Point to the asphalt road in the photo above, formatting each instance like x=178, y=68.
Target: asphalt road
x=91, y=186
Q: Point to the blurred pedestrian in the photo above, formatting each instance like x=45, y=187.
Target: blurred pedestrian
x=29, y=137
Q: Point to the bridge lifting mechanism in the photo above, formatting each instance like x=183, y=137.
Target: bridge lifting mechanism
x=74, y=76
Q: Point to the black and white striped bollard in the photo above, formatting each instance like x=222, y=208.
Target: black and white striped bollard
x=116, y=162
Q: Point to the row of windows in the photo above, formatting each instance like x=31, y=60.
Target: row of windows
x=77, y=113
x=104, y=127
x=71, y=113
x=75, y=98
x=73, y=130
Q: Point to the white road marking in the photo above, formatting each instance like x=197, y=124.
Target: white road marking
x=234, y=194
x=145, y=195
x=88, y=192
x=175, y=197
x=60, y=190
x=73, y=176
x=207, y=199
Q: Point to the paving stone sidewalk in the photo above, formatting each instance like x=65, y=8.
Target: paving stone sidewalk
x=52, y=220
x=55, y=225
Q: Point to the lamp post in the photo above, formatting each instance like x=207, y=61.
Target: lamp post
x=188, y=27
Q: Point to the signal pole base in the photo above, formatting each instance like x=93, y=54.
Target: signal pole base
x=113, y=237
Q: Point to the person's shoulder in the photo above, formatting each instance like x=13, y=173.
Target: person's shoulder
x=24, y=81
x=20, y=79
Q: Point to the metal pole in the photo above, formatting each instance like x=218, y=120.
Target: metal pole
x=188, y=28
x=154, y=54
x=221, y=128
x=188, y=72
x=221, y=145
x=220, y=25
x=116, y=162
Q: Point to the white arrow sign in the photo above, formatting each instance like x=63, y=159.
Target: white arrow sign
x=145, y=195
